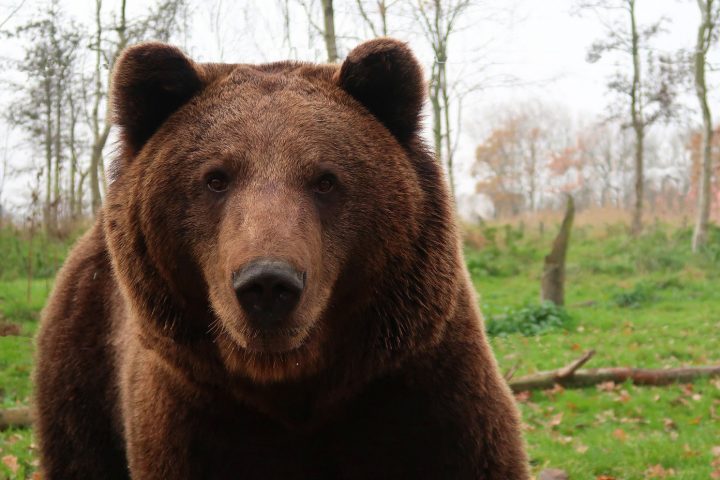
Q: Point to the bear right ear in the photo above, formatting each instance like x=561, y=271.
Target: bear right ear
x=385, y=77
x=150, y=81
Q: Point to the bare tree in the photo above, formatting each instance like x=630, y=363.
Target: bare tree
x=706, y=35
x=65, y=51
x=329, y=30
x=160, y=22
x=379, y=27
x=326, y=30
x=100, y=134
x=525, y=156
x=4, y=174
x=76, y=146
x=606, y=152
x=648, y=92
x=49, y=64
x=438, y=20
x=285, y=12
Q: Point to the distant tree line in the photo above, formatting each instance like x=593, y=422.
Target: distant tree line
x=60, y=101
x=534, y=151
x=527, y=156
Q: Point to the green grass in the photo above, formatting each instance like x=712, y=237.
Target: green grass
x=16, y=354
x=48, y=252
x=625, y=431
x=646, y=303
x=19, y=307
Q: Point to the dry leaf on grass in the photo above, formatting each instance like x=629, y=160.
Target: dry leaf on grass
x=624, y=396
x=555, y=420
x=658, y=471
x=620, y=434
x=606, y=386
x=553, y=474
x=523, y=397
x=11, y=462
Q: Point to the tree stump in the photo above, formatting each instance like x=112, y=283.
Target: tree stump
x=553, y=278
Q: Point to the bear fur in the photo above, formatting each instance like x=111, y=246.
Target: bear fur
x=148, y=367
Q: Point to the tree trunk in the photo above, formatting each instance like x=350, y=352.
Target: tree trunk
x=58, y=149
x=98, y=142
x=704, y=35
x=30, y=258
x=81, y=190
x=436, y=112
x=97, y=168
x=72, y=191
x=445, y=95
x=47, y=212
x=533, y=172
x=553, y=278
x=329, y=30
x=95, y=159
x=638, y=124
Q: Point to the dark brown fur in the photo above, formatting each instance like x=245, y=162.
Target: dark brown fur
x=147, y=366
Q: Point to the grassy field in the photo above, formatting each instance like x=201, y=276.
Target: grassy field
x=17, y=451
x=645, y=303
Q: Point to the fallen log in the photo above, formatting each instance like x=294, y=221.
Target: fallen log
x=571, y=377
x=15, y=417
x=568, y=377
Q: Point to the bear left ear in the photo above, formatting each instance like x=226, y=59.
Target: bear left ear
x=150, y=81
x=385, y=77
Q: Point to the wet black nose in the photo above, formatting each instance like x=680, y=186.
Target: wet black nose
x=268, y=290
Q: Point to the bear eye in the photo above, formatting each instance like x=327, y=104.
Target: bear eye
x=325, y=184
x=217, y=182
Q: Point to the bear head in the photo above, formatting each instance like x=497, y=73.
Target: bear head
x=287, y=213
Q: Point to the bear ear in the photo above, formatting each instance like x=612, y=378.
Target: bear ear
x=385, y=77
x=150, y=81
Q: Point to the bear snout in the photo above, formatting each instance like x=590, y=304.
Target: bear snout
x=268, y=291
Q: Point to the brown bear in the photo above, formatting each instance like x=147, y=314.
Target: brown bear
x=274, y=288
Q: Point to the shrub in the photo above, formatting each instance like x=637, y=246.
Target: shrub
x=529, y=320
x=642, y=293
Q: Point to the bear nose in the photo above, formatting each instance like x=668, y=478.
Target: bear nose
x=268, y=290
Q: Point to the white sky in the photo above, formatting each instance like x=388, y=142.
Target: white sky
x=537, y=43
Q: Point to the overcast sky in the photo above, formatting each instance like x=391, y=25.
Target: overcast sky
x=538, y=44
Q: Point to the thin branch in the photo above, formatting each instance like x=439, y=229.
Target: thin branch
x=365, y=17
x=570, y=369
x=12, y=14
